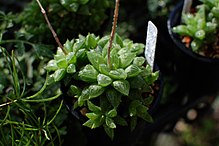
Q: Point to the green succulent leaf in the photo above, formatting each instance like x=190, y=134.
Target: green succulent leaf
x=112, y=113
x=120, y=120
x=91, y=41
x=92, y=107
x=59, y=74
x=133, y=123
x=94, y=123
x=104, y=69
x=196, y=44
x=103, y=41
x=142, y=112
x=122, y=86
x=118, y=74
x=109, y=131
x=62, y=63
x=71, y=58
x=114, y=97
x=133, y=107
x=118, y=40
x=92, y=116
x=95, y=91
x=71, y=68
x=132, y=71
x=110, y=123
x=95, y=58
x=139, y=61
x=69, y=45
x=83, y=97
x=88, y=74
x=126, y=59
x=200, y=34
x=103, y=80
x=75, y=90
x=51, y=65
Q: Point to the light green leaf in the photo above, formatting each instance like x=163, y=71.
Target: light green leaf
x=59, y=74
x=132, y=70
x=118, y=74
x=95, y=91
x=122, y=86
x=103, y=80
x=88, y=74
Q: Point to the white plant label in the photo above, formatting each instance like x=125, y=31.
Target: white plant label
x=186, y=6
x=151, y=41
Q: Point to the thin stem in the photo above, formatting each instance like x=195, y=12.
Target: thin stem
x=115, y=19
x=50, y=27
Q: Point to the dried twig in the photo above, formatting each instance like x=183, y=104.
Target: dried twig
x=50, y=27
x=115, y=19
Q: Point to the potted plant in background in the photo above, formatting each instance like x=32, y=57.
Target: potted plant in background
x=106, y=80
x=195, y=35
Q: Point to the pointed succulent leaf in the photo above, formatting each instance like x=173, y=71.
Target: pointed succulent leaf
x=118, y=74
x=137, y=48
x=83, y=97
x=51, y=65
x=196, y=44
x=142, y=112
x=139, y=61
x=95, y=58
x=112, y=113
x=114, y=59
x=75, y=90
x=103, y=80
x=109, y=131
x=103, y=41
x=69, y=45
x=114, y=97
x=133, y=107
x=92, y=107
x=91, y=41
x=78, y=45
x=88, y=73
x=97, y=122
x=200, y=34
x=122, y=86
x=210, y=27
x=104, y=69
x=59, y=54
x=118, y=40
x=110, y=123
x=120, y=120
x=71, y=57
x=126, y=59
x=133, y=123
x=59, y=74
x=92, y=116
x=132, y=71
x=71, y=68
x=62, y=63
x=95, y=91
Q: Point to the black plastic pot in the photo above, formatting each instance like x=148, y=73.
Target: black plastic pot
x=123, y=135
x=197, y=75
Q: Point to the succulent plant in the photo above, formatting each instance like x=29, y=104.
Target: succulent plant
x=199, y=28
x=111, y=95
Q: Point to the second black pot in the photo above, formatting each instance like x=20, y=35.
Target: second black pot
x=197, y=75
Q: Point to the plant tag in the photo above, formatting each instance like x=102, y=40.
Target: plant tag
x=186, y=6
x=151, y=41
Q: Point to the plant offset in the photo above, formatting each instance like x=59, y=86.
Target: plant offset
x=106, y=77
x=200, y=28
